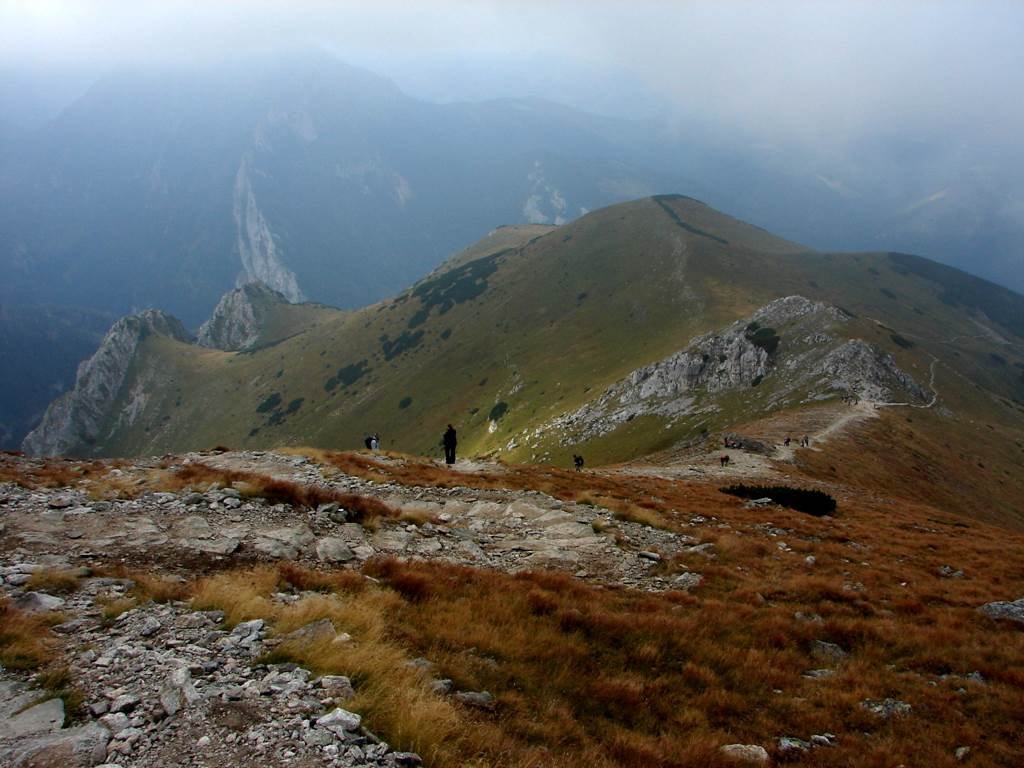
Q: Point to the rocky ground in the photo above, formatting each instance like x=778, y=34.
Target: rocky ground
x=166, y=685
x=507, y=530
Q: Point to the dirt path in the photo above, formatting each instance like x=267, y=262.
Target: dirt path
x=820, y=425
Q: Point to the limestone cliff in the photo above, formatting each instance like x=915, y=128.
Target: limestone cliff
x=238, y=319
x=791, y=348
x=74, y=421
x=256, y=245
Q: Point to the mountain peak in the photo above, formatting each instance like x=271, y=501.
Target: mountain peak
x=77, y=418
x=239, y=317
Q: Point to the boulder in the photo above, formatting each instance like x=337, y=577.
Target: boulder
x=829, y=652
x=687, y=581
x=752, y=754
x=886, y=708
x=33, y=602
x=477, y=699
x=178, y=691
x=337, y=687
x=284, y=543
x=331, y=549
x=70, y=748
x=1011, y=611
x=314, y=632
x=339, y=718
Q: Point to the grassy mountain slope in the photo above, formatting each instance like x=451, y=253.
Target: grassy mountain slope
x=531, y=324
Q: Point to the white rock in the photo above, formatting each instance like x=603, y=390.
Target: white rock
x=339, y=717
x=745, y=753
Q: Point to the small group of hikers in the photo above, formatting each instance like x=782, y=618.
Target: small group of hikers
x=805, y=441
x=851, y=399
x=450, y=441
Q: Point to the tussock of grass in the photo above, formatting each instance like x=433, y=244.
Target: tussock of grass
x=393, y=696
x=112, y=607
x=23, y=637
x=309, y=580
x=242, y=595
x=55, y=582
x=157, y=589
x=58, y=682
x=418, y=516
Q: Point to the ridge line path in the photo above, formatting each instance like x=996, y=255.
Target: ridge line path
x=745, y=464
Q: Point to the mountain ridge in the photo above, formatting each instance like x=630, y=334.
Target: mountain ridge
x=533, y=324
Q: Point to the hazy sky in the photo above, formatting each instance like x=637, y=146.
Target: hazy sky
x=803, y=71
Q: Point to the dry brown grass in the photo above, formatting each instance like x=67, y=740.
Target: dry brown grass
x=52, y=472
x=393, y=696
x=242, y=595
x=159, y=589
x=596, y=677
x=59, y=582
x=309, y=580
x=58, y=681
x=25, y=640
x=112, y=607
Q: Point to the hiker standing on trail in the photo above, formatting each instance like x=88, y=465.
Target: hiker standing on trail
x=368, y=442
x=450, y=440
x=577, y=461
x=375, y=442
x=786, y=441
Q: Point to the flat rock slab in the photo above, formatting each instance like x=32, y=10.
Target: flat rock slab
x=284, y=543
x=332, y=549
x=194, y=527
x=70, y=748
x=42, y=718
x=14, y=695
x=392, y=540
x=217, y=546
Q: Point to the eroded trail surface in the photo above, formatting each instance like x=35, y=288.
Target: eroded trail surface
x=818, y=425
x=502, y=529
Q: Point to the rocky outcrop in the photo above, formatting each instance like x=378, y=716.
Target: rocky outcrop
x=255, y=241
x=791, y=345
x=239, y=317
x=856, y=366
x=74, y=421
x=1010, y=611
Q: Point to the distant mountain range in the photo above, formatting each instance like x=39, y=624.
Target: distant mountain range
x=327, y=183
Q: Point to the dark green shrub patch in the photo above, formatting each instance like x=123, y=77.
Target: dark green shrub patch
x=817, y=503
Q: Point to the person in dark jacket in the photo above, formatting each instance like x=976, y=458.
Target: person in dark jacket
x=449, y=441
